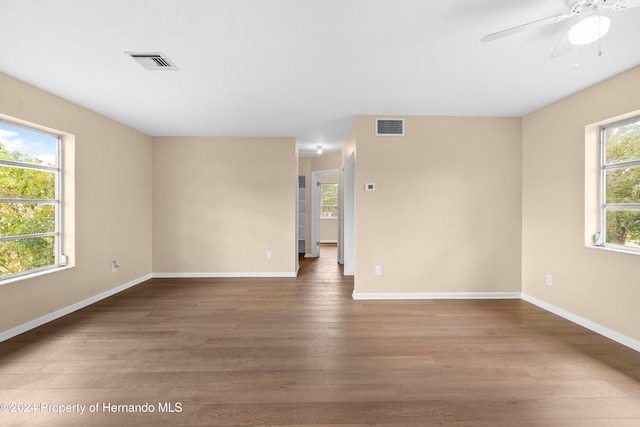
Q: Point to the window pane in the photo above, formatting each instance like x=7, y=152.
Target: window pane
x=623, y=227
x=622, y=143
x=18, y=256
x=623, y=185
x=28, y=148
x=329, y=212
x=24, y=146
x=19, y=219
x=18, y=183
x=329, y=189
x=330, y=200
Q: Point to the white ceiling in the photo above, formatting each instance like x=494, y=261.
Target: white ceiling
x=301, y=68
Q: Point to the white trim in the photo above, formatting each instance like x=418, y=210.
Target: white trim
x=329, y=241
x=310, y=256
x=32, y=324
x=221, y=275
x=618, y=249
x=45, y=271
x=595, y=327
x=347, y=217
x=315, y=214
x=433, y=295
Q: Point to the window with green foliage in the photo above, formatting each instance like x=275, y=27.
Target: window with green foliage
x=329, y=200
x=620, y=184
x=30, y=200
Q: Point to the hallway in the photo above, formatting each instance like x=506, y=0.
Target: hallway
x=325, y=266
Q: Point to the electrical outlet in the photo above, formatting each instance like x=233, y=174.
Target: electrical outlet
x=115, y=265
x=378, y=270
x=548, y=280
x=269, y=255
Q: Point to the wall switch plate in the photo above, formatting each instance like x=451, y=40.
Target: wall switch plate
x=269, y=255
x=115, y=265
x=548, y=280
x=378, y=270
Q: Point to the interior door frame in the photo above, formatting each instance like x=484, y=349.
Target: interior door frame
x=315, y=209
x=347, y=217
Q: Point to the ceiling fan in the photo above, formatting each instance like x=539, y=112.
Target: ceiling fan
x=591, y=27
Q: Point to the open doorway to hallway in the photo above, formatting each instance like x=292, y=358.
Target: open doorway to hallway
x=319, y=211
x=324, y=211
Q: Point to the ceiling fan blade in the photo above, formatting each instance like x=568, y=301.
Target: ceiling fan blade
x=527, y=26
x=563, y=47
x=625, y=4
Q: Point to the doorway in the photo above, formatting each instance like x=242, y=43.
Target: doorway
x=324, y=212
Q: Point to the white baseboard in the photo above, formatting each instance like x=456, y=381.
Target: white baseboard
x=222, y=275
x=595, y=327
x=434, y=295
x=69, y=309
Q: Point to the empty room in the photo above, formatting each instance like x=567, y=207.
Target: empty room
x=306, y=212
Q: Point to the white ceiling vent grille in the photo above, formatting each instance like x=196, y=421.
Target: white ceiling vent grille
x=389, y=127
x=153, y=61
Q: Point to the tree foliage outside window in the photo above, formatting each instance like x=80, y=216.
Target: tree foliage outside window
x=620, y=179
x=29, y=200
x=328, y=200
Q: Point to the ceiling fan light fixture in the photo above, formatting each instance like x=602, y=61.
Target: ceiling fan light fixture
x=589, y=29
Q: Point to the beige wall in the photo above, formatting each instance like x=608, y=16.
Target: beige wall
x=221, y=203
x=349, y=145
x=112, y=205
x=346, y=225
x=326, y=162
x=601, y=286
x=446, y=213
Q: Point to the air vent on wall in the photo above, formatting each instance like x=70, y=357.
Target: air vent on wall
x=389, y=127
x=153, y=61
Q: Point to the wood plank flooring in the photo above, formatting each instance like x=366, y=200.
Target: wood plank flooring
x=302, y=352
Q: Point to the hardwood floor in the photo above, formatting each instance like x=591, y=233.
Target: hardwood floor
x=302, y=352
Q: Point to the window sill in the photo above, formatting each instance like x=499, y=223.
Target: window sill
x=614, y=249
x=35, y=274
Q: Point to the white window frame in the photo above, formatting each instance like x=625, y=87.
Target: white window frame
x=601, y=237
x=60, y=259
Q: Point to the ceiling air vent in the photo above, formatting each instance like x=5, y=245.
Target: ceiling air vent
x=153, y=61
x=389, y=127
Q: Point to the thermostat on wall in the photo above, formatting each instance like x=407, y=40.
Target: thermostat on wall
x=369, y=186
